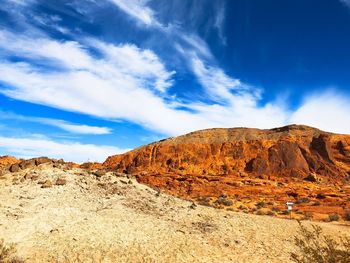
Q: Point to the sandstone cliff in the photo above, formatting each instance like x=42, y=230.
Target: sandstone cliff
x=243, y=168
x=288, y=151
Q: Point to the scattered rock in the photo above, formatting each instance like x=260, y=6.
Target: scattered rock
x=99, y=173
x=27, y=164
x=14, y=168
x=193, y=206
x=312, y=177
x=55, y=230
x=42, y=160
x=28, y=176
x=321, y=196
x=34, y=177
x=47, y=184
x=61, y=181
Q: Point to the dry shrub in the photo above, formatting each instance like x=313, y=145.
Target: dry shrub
x=224, y=201
x=316, y=247
x=308, y=215
x=260, y=204
x=206, y=225
x=347, y=215
x=333, y=217
x=8, y=253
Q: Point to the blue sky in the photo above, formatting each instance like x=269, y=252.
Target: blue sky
x=85, y=79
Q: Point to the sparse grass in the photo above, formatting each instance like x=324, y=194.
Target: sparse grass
x=275, y=209
x=347, y=215
x=333, y=217
x=8, y=253
x=271, y=213
x=224, y=201
x=316, y=247
x=308, y=215
x=303, y=200
x=285, y=212
x=260, y=204
x=204, y=201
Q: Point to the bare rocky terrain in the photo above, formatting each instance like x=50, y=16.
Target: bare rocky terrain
x=56, y=212
x=250, y=170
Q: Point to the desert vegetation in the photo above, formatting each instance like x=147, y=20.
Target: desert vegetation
x=315, y=247
x=8, y=253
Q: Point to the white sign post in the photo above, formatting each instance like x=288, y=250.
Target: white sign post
x=290, y=208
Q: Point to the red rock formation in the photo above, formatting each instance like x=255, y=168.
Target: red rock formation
x=7, y=161
x=288, y=151
x=243, y=162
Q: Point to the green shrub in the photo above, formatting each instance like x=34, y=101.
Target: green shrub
x=315, y=247
x=224, y=201
x=347, y=215
x=333, y=217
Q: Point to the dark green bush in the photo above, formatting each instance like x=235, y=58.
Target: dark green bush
x=347, y=215
x=333, y=217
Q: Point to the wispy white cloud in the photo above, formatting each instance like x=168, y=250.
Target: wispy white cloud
x=328, y=111
x=196, y=45
x=138, y=10
x=111, y=87
x=75, y=128
x=107, y=87
x=217, y=84
x=126, y=82
x=20, y=2
x=61, y=124
x=70, y=151
x=220, y=21
x=346, y=2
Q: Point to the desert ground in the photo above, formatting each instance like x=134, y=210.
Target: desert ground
x=56, y=213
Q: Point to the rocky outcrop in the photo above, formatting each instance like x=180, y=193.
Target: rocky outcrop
x=13, y=165
x=7, y=161
x=249, y=166
x=291, y=151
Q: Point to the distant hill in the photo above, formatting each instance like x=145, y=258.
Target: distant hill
x=279, y=164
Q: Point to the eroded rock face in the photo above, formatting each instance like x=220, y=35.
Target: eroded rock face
x=289, y=151
x=7, y=161
x=292, y=163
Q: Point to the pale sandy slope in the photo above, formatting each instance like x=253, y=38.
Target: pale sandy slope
x=114, y=219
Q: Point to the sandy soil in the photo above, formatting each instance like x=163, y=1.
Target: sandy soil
x=112, y=218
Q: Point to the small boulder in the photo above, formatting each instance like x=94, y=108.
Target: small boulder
x=312, y=177
x=99, y=173
x=27, y=164
x=193, y=206
x=61, y=181
x=14, y=168
x=41, y=160
x=47, y=184
x=28, y=176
